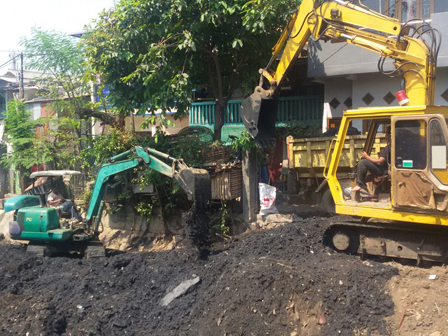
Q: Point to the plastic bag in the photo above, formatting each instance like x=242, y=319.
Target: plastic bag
x=267, y=199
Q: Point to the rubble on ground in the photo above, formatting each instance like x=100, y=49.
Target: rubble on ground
x=281, y=281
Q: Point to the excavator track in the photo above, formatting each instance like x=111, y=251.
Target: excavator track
x=404, y=240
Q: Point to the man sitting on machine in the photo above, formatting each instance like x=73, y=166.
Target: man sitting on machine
x=377, y=167
x=56, y=200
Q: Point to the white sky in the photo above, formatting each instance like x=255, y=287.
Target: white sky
x=17, y=17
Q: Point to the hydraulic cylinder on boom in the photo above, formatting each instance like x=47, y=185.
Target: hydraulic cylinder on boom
x=410, y=221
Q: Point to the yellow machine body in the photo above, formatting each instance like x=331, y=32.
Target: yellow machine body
x=429, y=177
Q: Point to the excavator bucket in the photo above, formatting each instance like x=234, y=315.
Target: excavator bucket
x=197, y=185
x=259, y=116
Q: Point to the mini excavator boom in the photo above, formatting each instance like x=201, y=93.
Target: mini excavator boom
x=46, y=232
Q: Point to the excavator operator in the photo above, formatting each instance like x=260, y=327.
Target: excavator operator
x=56, y=200
x=377, y=167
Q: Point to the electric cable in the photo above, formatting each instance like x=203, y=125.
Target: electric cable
x=5, y=64
x=9, y=61
x=434, y=48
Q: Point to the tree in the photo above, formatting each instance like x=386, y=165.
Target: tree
x=61, y=61
x=26, y=149
x=153, y=53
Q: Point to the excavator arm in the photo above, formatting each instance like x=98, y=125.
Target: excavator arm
x=195, y=182
x=342, y=21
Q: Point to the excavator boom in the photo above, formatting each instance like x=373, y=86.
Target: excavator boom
x=342, y=21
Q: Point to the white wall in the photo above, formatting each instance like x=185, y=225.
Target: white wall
x=339, y=88
x=378, y=86
x=36, y=109
x=441, y=86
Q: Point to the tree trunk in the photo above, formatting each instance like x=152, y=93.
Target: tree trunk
x=24, y=180
x=121, y=122
x=220, y=109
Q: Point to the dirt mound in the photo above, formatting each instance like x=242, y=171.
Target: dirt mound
x=277, y=282
x=421, y=304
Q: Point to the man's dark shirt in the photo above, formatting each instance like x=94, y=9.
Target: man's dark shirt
x=386, y=154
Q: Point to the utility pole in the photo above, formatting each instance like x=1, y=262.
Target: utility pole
x=22, y=87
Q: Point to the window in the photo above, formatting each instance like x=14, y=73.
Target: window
x=406, y=10
x=437, y=138
x=438, y=150
x=410, y=144
x=2, y=105
x=440, y=6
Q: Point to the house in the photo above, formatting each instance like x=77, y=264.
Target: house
x=134, y=122
x=350, y=74
x=301, y=100
x=9, y=89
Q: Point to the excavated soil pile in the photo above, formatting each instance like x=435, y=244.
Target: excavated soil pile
x=276, y=282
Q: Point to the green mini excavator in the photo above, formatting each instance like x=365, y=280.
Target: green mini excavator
x=47, y=233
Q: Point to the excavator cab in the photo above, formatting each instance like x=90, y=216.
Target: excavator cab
x=420, y=163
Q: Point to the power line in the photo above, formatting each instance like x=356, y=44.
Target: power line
x=9, y=61
x=27, y=54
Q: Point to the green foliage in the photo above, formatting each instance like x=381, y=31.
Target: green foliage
x=55, y=53
x=101, y=148
x=244, y=142
x=220, y=221
x=18, y=120
x=59, y=58
x=145, y=209
x=152, y=53
x=299, y=129
x=259, y=12
x=57, y=139
x=62, y=63
x=20, y=132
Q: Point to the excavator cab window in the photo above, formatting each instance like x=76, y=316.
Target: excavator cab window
x=410, y=144
x=438, y=150
x=377, y=141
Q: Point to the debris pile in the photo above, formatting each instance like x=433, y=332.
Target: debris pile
x=278, y=282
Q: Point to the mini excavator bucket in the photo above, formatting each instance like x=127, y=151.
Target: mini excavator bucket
x=259, y=116
x=197, y=185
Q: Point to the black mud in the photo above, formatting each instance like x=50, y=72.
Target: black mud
x=269, y=282
x=196, y=225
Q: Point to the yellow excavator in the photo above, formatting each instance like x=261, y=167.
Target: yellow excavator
x=410, y=221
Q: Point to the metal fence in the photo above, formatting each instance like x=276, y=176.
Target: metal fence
x=306, y=109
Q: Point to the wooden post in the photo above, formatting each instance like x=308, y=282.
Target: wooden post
x=250, y=186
